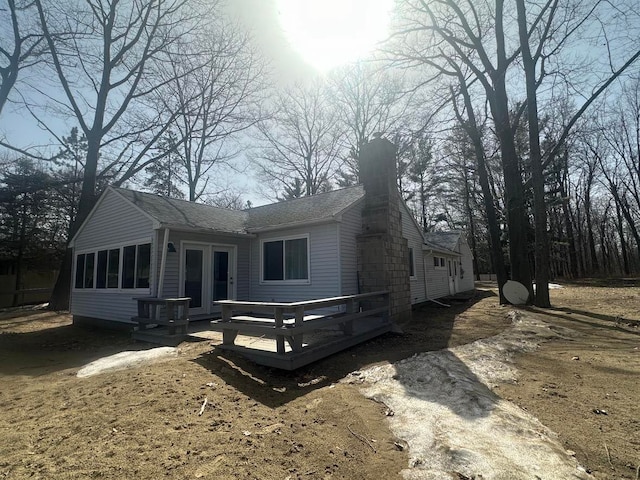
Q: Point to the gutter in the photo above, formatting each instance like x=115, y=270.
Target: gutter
x=300, y=223
x=208, y=231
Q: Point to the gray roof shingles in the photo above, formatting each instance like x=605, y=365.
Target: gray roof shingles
x=448, y=240
x=323, y=206
x=180, y=213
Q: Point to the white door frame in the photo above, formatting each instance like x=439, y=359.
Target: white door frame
x=207, y=271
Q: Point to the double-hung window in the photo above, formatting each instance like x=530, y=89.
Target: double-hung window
x=286, y=260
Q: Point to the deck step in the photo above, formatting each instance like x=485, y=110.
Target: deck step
x=159, y=336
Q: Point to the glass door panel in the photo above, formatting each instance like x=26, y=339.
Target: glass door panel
x=193, y=278
x=220, y=275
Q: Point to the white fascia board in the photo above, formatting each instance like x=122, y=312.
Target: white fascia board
x=209, y=231
x=287, y=226
x=442, y=250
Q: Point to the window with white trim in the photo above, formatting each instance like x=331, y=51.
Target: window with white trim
x=108, y=268
x=438, y=263
x=285, y=259
x=84, y=270
x=104, y=270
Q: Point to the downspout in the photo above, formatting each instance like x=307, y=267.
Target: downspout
x=163, y=263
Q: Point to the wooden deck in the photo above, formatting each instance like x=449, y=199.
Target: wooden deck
x=291, y=335
x=285, y=335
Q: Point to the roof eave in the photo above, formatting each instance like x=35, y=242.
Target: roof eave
x=186, y=228
x=435, y=248
x=284, y=226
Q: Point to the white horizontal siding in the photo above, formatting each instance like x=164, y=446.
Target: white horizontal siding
x=114, y=222
x=415, y=241
x=323, y=257
x=350, y=228
x=466, y=279
x=437, y=279
x=104, y=304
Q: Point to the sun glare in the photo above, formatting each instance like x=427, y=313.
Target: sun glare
x=328, y=33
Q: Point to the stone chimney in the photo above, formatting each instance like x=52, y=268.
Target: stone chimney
x=383, y=253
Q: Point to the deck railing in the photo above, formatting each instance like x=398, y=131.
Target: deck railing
x=172, y=312
x=290, y=321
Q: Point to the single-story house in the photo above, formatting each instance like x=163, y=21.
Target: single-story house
x=136, y=244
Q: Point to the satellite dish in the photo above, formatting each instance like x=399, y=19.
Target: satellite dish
x=515, y=293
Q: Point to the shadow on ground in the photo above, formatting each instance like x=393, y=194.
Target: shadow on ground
x=432, y=328
x=573, y=315
x=40, y=343
x=604, y=282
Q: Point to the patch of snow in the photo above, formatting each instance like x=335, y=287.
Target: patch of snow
x=455, y=425
x=552, y=286
x=124, y=360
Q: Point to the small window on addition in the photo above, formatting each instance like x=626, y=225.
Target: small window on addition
x=412, y=269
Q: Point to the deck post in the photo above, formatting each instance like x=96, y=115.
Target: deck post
x=171, y=317
x=296, y=344
x=347, y=327
x=226, y=313
x=279, y=320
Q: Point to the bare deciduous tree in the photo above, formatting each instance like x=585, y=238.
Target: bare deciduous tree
x=214, y=82
x=21, y=43
x=499, y=44
x=300, y=140
x=103, y=66
x=369, y=100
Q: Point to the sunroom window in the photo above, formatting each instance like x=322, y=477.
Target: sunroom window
x=107, y=270
x=286, y=259
x=84, y=270
x=109, y=273
x=136, y=261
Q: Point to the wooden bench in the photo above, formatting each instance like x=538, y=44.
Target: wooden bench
x=171, y=312
x=289, y=321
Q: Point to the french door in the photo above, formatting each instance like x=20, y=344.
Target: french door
x=208, y=275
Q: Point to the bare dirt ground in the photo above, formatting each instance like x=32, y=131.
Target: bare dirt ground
x=144, y=423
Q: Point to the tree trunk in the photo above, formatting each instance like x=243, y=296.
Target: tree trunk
x=62, y=289
x=471, y=127
x=517, y=216
x=595, y=266
x=472, y=225
x=18, y=283
x=535, y=157
x=568, y=216
x=623, y=243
